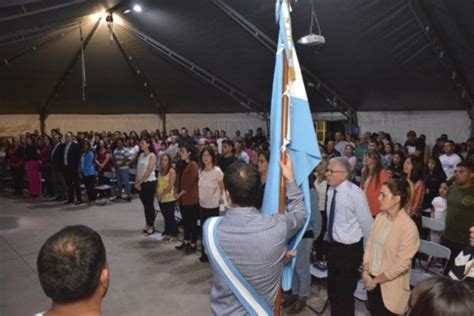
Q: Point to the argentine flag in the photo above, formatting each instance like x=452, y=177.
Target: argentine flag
x=300, y=141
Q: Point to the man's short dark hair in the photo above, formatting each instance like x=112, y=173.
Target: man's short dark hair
x=228, y=142
x=70, y=264
x=466, y=164
x=243, y=183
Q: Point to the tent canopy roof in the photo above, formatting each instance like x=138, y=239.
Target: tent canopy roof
x=378, y=56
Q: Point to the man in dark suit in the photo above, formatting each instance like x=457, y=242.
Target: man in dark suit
x=57, y=160
x=72, y=155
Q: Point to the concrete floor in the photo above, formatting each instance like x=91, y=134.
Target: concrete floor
x=147, y=277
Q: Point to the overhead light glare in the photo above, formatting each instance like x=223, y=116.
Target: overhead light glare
x=97, y=15
x=127, y=11
x=137, y=8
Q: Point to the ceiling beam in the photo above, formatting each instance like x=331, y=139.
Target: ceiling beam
x=243, y=99
x=142, y=78
x=47, y=9
x=454, y=75
x=35, y=47
x=313, y=81
x=60, y=83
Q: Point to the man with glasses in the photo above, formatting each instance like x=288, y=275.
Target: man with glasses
x=349, y=224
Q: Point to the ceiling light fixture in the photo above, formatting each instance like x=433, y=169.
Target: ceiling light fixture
x=312, y=39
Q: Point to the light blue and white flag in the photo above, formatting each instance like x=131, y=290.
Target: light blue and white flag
x=300, y=141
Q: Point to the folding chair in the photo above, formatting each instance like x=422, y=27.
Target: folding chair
x=106, y=189
x=433, y=251
x=432, y=224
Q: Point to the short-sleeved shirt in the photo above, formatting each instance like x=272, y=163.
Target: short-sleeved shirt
x=449, y=164
x=460, y=214
x=209, y=190
x=121, y=155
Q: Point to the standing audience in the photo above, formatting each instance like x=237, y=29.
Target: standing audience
x=211, y=187
x=87, y=171
x=166, y=198
x=392, y=244
x=72, y=155
x=349, y=222
x=32, y=167
x=187, y=196
x=145, y=183
x=460, y=214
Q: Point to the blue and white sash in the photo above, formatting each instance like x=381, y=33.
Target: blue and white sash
x=253, y=303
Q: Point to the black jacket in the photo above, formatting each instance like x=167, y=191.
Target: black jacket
x=73, y=157
x=57, y=158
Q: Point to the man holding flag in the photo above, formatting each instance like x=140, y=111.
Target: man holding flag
x=246, y=274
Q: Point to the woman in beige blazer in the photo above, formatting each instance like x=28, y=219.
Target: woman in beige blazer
x=393, y=242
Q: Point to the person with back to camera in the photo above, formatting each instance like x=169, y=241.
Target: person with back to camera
x=254, y=243
x=440, y=296
x=73, y=271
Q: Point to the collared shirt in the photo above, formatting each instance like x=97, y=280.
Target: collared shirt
x=255, y=243
x=353, y=219
x=66, y=150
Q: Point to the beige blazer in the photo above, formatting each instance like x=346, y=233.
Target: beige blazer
x=400, y=246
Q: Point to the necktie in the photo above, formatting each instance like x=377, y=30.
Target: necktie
x=331, y=216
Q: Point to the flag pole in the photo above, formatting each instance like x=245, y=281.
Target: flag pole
x=284, y=131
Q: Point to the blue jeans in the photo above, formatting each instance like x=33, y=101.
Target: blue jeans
x=123, y=182
x=301, y=284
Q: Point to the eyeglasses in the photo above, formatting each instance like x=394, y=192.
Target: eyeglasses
x=330, y=171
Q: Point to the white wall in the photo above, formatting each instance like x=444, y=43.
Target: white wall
x=456, y=124
x=230, y=122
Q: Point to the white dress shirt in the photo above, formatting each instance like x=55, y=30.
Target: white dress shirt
x=353, y=219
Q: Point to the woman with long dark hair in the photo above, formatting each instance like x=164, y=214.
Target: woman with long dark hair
x=433, y=177
x=413, y=169
x=32, y=167
x=187, y=196
x=103, y=161
x=165, y=197
x=211, y=187
x=373, y=177
x=262, y=166
x=87, y=171
x=145, y=183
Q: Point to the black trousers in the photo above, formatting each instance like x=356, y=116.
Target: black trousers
x=147, y=196
x=18, y=176
x=376, y=305
x=71, y=178
x=89, y=182
x=455, y=250
x=47, y=173
x=190, y=214
x=167, y=210
x=205, y=213
x=343, y=273
x=321, y=245
x=59, y=184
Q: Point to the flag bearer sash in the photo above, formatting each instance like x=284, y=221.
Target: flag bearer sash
x=253, y=303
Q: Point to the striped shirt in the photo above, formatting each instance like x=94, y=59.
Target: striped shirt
x=255, y=243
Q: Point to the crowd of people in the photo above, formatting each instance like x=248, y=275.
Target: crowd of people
x=369, y=195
